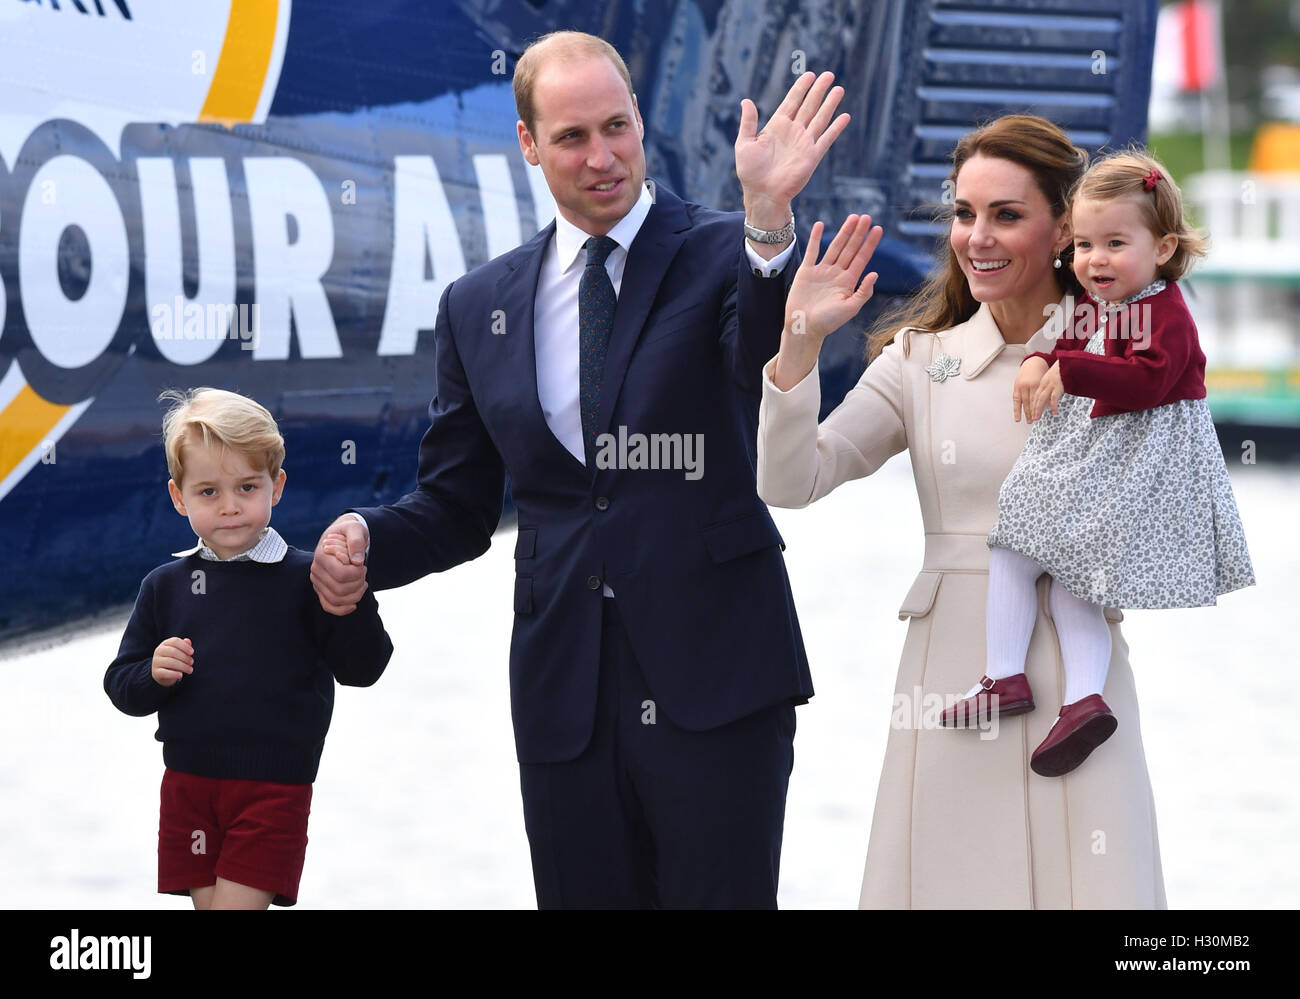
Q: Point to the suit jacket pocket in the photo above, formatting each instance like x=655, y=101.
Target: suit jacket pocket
x=523, y=594
x=741, y=536
x=920, y=598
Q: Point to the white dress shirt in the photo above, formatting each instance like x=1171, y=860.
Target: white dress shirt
x=555, y=314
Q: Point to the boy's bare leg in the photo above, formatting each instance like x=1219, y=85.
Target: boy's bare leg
x=232, y=895
x=203, y=896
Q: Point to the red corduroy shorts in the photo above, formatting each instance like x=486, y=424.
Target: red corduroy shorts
x=252, y=832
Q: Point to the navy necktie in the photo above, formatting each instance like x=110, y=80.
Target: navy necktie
x=596, y=303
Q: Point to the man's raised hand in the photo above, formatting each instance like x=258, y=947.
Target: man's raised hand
x=774, y=165
x=338, y=572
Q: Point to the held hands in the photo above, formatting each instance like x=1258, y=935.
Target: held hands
x=337, y=546
x=173, y=658
x=338, y=572
x=1036, y=388
x=775, y=164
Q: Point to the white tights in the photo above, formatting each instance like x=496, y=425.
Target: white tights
x=1012, y=608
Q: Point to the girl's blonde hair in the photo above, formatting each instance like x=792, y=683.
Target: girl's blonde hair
x=215, y=416
x=1133, y=173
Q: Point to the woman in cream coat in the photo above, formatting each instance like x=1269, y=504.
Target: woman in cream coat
x=960, y=819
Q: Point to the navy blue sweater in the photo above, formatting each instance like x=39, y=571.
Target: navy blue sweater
x=266, y=656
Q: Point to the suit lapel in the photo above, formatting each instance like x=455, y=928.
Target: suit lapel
x=648, y=260
x=652, y=251
x=516, y=296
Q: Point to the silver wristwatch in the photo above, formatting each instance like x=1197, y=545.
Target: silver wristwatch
x=771, y=235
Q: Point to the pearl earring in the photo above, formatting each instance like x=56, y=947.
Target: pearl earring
x=1057, y=262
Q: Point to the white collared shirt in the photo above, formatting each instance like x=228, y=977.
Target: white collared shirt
x=270, y=547
x=555, y=313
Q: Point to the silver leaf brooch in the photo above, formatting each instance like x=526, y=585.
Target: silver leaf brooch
x=943, y=368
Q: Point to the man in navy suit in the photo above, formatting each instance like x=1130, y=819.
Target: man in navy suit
x=611, y=365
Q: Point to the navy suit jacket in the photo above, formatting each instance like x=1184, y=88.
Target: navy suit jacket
x=695, y=564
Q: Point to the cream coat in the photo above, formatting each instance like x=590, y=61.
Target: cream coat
x=961, y=821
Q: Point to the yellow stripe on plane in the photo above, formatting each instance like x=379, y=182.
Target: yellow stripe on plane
x=236, y=89
x=24, y=424
x=241, y=69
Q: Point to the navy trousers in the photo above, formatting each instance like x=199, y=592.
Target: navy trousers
x=654, y=816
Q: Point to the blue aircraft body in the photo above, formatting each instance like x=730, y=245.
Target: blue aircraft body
x=269, y=196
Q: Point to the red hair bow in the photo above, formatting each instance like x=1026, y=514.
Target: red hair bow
x=1149, y=181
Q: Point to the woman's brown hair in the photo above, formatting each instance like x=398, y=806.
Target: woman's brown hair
x=945, y=299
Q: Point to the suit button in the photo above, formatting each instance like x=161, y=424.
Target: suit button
x=593, y=582
x=602, y=503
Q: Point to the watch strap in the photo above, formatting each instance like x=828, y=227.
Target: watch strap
x=770, y=235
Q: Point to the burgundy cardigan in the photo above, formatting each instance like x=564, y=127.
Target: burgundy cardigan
x=1124, y=380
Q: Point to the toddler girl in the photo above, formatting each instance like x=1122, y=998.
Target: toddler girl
x=1122, y=496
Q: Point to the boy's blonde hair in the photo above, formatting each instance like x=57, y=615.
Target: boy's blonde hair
x=1128, y=174
x=215, y=416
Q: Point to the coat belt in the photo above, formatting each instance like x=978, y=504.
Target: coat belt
x=956, y=553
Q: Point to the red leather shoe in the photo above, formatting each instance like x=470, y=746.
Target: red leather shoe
x=1008, y=696
x=1079, y=729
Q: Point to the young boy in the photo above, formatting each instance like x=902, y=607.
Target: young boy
x=229, y=644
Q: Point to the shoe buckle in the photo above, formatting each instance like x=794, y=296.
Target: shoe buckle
x=986, y=683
